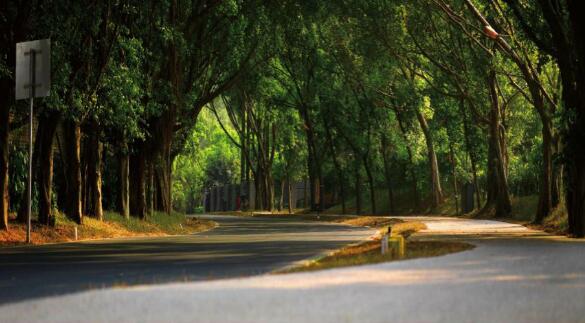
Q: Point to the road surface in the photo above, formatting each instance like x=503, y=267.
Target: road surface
x=513, y=275
x=240, y=246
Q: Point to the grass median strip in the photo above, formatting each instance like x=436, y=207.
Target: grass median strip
x=369, y=252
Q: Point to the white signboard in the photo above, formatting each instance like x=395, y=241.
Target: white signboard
x=35, y=55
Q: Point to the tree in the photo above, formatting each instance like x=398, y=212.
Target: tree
x=14, y=27
x=555, y=27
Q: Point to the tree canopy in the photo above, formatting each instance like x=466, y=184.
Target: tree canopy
x=375, y=106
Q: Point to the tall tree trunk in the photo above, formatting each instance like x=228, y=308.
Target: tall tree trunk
x=163, y=171
x=498, y=198
x=341, y=183
x=545, y=201
x=98, y=211
x=473, y=161
x=249, y=187
x=281, y=199
x=414, y=178
x=93, y=180
x=72, y=143
x=137, y=178
x=358, y=189
x=124, y=183
x=574, y=149
x=575, y=177
x=151, y=189
x=411, y=166
x=476, y=185
x=566, y=28
x=85, y=175
x=259, y=187
x=4, y=152
x=163, y=167
x=313, y=162
x=290, y=195
x=247, y=202
x=305, y=193
x=436, y=191
x=313, y=182
x=371, y=184
x=557, y=187
x=269, y=190
x=45, y=169
x=320, y=188
x=454, y=170
x=165, y=128
x=385, y=151
x=336, y=165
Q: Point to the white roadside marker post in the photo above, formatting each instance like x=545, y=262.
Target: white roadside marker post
x=384, y=244
x=33, y=79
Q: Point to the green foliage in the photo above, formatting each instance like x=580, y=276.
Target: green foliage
x=18, y=182
x=334, y=92
x=174, y=223
x=209, y=159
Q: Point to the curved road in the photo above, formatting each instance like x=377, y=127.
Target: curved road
x=513, y=275
x=240, y=246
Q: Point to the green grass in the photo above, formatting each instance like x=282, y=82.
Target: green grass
x=175, y=223
x=448, y=207
x=114, y=225
x=524, y=207
x=557, y=221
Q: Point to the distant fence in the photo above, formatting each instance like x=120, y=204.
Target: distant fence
x=235, y=197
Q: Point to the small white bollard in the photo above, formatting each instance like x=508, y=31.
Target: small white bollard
x=384, y=244
x=75, y=232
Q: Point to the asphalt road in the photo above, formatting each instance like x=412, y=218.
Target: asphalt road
x=513, y=275
x=238, y=247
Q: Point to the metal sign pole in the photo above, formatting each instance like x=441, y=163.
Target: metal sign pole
x=32, y=85
x=33, y=79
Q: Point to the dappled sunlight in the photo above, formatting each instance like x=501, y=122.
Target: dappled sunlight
x=466, y=226
x=383, y=278
x=565, y=280
x=335, y=278
x=440, y=228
